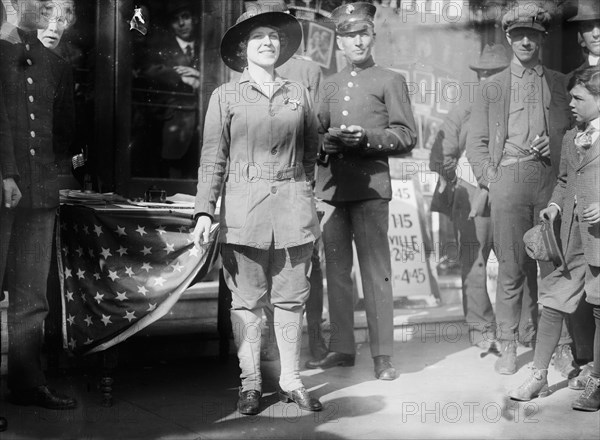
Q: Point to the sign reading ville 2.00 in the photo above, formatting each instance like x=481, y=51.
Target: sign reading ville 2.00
x=411, y=274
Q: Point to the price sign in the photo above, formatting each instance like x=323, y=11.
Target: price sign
x=411, y=273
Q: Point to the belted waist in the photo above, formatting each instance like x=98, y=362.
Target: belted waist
x=511, y=160
x=294, y=172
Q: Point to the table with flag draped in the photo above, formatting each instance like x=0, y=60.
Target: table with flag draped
x=122, y=269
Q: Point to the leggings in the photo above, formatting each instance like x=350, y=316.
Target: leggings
x=549, y=330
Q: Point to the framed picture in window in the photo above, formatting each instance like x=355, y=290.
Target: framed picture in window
x=319, y=44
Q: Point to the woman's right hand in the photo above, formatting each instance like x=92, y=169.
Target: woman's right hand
x=549, y=213
x=202, y=230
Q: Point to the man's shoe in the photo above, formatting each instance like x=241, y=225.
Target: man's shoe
x=318, y=348
x=44, y=397
x=507, y=362
x=332, y=359
x=564, y=362
x=3, y=424
x=590, y=399
x=249, y=402
x=535, y=385
x=384, y=370
x=578, y=382
x=302, y=398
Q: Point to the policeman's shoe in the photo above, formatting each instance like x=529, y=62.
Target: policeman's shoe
x=318, y=348
x=269, y=352
x=384, y=370
x=564, y=362
x=332, y=359
x=302, y=398
x=536, y=384
x=507, y=362
x=44, y=397
x=578, y=382
x=3, y=424
x=590, y=399
x=249, y=402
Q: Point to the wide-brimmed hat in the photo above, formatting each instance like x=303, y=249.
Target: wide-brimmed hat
x=587, y=10
x=253, y=18
x=493, y=57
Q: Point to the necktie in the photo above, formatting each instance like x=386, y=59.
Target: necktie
x=188, y=51
x=583, y=141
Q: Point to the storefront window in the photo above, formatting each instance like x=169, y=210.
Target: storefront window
x=171, y=73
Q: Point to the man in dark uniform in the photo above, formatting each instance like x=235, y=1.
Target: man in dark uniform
x=6, y=153
x=581, y=322
x=38, y=93
x=367, y=118
x=173, y=67
x=513, y=144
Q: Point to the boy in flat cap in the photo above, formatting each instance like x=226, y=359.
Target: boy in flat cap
x=513, y=145
x=367, y=120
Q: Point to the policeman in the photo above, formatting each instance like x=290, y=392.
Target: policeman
x=365, y=116
x=38, y=93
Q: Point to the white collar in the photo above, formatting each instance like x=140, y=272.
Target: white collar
x=183, y=44
x=593, y=59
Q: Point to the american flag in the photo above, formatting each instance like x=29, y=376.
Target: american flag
x=121, y=270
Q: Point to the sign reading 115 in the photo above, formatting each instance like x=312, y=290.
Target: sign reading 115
x=402, y=221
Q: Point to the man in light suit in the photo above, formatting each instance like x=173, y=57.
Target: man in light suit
x=513, y=145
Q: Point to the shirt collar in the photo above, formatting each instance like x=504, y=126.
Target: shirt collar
x=593, y=59
x=518, y=70
x=27, y=37
x=246, y=78
x=183, y=44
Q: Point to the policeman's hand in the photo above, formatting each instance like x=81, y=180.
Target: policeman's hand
x=202, y=230
x=11, y=193
x=352, y=136
x=549, y=213
x=591, y=213
x=541, y=145
x=331, y=144
x=187, y=71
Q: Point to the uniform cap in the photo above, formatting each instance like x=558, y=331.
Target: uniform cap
x=353, y=17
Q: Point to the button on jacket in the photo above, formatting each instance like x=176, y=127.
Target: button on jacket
x=38, y=94
x=377, y=99
x=261, y=152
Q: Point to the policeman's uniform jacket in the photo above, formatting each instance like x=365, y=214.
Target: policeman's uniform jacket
x=377, y=99
x=38, y=95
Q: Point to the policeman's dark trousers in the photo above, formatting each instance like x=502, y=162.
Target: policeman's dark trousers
x=28, y=233
x=367, y=223
x=517, y=195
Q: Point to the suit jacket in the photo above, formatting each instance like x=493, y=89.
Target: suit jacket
x=8, y=164
x=579, y=180
x=181, y=115
x=378, y=100
x=488, y=125
x=38, y=94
